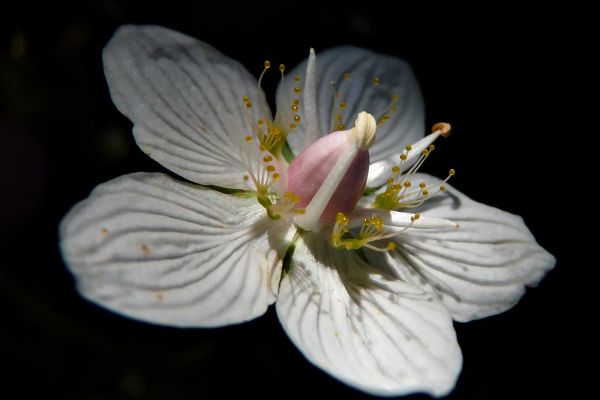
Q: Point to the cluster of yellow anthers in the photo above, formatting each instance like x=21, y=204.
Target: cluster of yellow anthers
x=372, y=229
x=340, y=105
x=287, y=204
x=273, y=133
x=399, y=191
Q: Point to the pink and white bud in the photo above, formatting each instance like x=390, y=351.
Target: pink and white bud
x=330, y=175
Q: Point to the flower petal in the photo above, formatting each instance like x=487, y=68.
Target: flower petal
x=152, y=248
x=371, y=331
x=405, y=126
x=477, y=270
x=186, y=101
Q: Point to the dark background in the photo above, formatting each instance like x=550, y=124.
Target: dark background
x=507, y=75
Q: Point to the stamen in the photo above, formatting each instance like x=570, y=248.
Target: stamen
x=263, y=177
x=372, y=229
x=267, y=65
x=287, y=204
x=391, y=107
x=339, y=105
x=397, y=194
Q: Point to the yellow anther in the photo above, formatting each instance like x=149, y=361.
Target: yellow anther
x=282, y=67
x=248, y=104
x=276, y=176
x=442, y=188
x=297, y=89
x=386, y=117
x=403, y=157
x=262, y=147
x=270, y=168
x=376, y=81
x=425, y=152
x=431, y=147
x=341, y=218
x=246, y=177
x=340, y=127
x=248, y=138
x=295, y=108
x=299, y=211
x=292, y=126
x=391, y=246
x=425, y=193
x=297, y=78
x=444, y=128
x=408, y=147
x=275, y=131
x=246, y=99
x=395, y=97
x=260, y=122
x=296, y=102
x=395, y=169
x=422, y=185
x=407, y=184
x=451, y=172
x=343, y=105
x=267, y=158
x=346, y=76
x=415, y=217
x=267, y=64
x=394, y=109
x=297, y=118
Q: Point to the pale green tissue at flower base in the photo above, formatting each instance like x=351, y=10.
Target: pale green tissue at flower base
x=319, y=209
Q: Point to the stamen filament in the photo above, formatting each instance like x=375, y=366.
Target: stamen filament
x=397, y=193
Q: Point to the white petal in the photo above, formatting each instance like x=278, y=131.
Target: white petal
x=405, y=126
x=155, y=249
x=185, y=99
x=369, y=330
x=477, y=270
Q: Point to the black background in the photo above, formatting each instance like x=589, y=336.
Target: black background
x=507, y=75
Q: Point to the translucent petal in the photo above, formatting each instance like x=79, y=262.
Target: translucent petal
x=405, y=126
x=477, y=270
x=369, y=330
x=155, y=249
x=186, y=101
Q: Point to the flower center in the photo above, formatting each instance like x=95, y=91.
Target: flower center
x=330, y=175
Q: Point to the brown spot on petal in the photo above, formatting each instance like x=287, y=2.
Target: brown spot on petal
x=144, y=249
x=159, y=296
x=104, y=231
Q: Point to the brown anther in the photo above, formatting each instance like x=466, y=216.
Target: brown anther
x=444, y=128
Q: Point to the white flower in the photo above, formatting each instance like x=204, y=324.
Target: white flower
x=369, y=291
